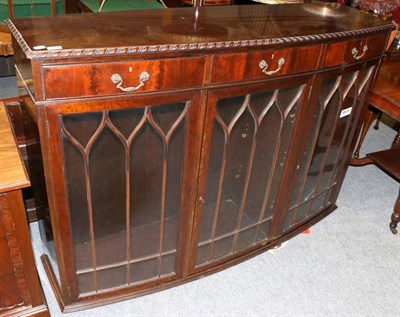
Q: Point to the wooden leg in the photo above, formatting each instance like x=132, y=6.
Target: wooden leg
x=368, y=118
x=378, y=120
x=395, y=216
x=396, y=141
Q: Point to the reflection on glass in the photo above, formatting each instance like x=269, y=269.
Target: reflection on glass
x=123, y=172
x=251, y=136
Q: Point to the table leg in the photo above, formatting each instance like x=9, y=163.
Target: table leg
x=378, y=120
x=395, y=216
x=368, y=118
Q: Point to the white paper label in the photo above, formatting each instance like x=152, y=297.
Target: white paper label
x=39, y=47
x=53, y=48
x=345, y=112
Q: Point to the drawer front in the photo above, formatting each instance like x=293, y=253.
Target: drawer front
x=354, y=50
x=263, y=64
x=114, y=78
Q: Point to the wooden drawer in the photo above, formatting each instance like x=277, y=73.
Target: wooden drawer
x=94, y=79
x=263, y=64
x=354, y=50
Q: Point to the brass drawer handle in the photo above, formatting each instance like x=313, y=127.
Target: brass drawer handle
x=354, y=51
x=264, y=66
x=117, y=79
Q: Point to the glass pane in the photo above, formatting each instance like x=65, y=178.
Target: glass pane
x=112, y=277
x=325, y=136
x=251, y=136
x=168, y=264
x=360, y=85
x=308, y=182
x=146, y=168
x=334, y=150
x=144, y=270
x=263, y=230
x=203, y=252
x=288, y=108
x=246, y=238
x=213, y=180
x=126, y=120
x=263, y=165
x=334, y=137
x=85, y=282
x=108, y=193
x=123, y=177
x=307, y=155
x=222, y=247
x=302, y=211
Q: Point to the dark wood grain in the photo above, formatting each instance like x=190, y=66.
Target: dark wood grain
x=215, y=158
x=188, y=29
x=94, y=79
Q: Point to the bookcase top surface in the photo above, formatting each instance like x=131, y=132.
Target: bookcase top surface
x=183, y=29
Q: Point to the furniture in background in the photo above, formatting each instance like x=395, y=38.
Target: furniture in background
x=26, y=8
x=383, y=97
x=6, y=52
x=393, y=53
x=20, y=289
x=212, y=135
x=117, y=5
x=125, y=5
x=21, y=8
x=5, y=43
x=389, y=161
x=282, y=1
x=382, y=8
x=198, y=3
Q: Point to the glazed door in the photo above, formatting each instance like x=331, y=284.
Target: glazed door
x=322, y=167
x=248, y=139
x=122, y=169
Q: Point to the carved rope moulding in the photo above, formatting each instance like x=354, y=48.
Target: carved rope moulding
x=130, y=50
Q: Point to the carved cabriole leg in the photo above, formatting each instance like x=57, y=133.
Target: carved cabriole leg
x=396, y=141
x=395, y=215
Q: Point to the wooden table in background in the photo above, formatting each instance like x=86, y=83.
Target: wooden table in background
x=384, y=97
x=5, y=44
x=20, y=290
